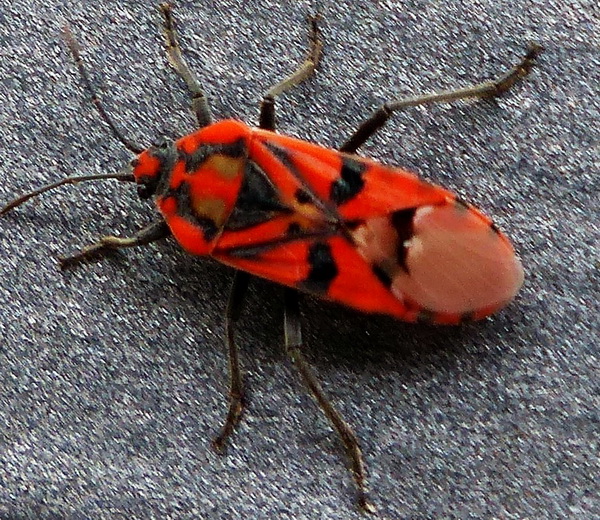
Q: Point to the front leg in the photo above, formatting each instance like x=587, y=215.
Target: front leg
x=152, y=233
x=199, y=102
x=236, y=386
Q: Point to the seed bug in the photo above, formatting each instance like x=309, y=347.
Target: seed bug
x=326, y=222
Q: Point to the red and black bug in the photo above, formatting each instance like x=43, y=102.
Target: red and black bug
x=326, y=222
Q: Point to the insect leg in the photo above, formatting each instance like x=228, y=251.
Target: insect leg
x=293, y=345
x=267, y=105
x=236, y=387
x=177, y=61
x=152, y=233
x=487, y=89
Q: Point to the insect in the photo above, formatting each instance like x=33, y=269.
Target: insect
x=326, y=222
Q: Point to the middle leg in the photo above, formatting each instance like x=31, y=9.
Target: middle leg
x=293, y=346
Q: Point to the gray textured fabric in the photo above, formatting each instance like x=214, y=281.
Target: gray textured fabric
x=113, y=375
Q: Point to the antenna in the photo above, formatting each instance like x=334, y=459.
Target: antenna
x=123, y=177
x=74, y=48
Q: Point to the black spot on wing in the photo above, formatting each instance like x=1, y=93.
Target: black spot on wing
x=323, y=269
x=283, y=156
x=402, y=221
x=350, y=182
x=258, y=200
x=257, y=249
x=302, y=196
x=426, y=316
x=253, y=251
x=305, y=194
x=467, y=317
x=294, y=229
x=353, y=224
x=382, y=276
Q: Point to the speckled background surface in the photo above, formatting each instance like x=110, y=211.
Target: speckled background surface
x=112, y=375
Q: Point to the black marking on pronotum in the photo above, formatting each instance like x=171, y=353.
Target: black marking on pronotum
x=184, y=209
x=194, y=160
x=382, y=276
x=258, y=200
x=402, y=220
x=208, y=226
x=323, y=269
x=350, y=183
